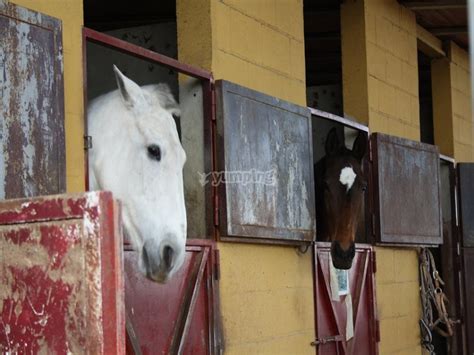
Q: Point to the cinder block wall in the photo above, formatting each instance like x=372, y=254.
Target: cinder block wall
x=266, y=291
x=70, y=12
x=452, y=111
x=383, y=59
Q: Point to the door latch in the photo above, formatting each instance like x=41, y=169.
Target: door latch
x=328, y=339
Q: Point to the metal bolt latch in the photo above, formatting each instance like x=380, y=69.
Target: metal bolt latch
x=328, y=339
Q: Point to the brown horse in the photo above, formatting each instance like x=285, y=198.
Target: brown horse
x=340, y=188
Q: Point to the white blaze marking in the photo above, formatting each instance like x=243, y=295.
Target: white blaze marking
x=347, y=177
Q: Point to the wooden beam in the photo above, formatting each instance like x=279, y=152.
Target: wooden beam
x=449, y=31
x=435, y=5
x=428, y=43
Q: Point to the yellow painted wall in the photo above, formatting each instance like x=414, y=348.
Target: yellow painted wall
x=71, y=14
x=382, y=57
x=452, y=111
x=266, y=291
x=463, y=124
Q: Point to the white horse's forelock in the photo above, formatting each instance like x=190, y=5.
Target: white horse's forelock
x=123, y=124
x=347, y=177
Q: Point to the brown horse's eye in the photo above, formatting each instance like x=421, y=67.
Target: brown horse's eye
x=364, y=186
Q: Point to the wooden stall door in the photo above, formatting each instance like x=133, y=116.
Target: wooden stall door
x=181, y=316
x=264, y=146
x=465, y=172
x=331, y=322
x=407, y=191
x=61, y=281
x=32, y=160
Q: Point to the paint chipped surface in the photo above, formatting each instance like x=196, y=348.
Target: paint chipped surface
x=51, y=275
x=31, y=104
x=347, y=177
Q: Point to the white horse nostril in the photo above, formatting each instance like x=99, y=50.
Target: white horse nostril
x=168, y=253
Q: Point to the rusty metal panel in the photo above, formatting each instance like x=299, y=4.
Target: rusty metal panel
x=264, y=146
x=61, y=285
x=32, y=149
x=331, y=315
x=466, y=202
x=468, y=261
x=407, y=189
x=181, y=316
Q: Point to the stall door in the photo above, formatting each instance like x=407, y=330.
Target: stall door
x=346, y=320
x=61, y=281
x=32, y=161
x=181, y=316
x=466, y=218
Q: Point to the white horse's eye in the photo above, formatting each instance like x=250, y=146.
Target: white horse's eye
x=154, y=152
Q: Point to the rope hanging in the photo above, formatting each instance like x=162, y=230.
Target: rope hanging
x=432, y=295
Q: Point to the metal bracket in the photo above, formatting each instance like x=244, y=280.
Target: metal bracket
x=87, y=142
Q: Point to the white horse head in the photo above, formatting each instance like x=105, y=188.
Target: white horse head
x=137, y=155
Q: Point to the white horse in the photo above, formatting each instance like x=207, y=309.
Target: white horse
x=137, y=155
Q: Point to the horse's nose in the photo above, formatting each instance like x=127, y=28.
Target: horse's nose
x=342, y=259
x=158, y=260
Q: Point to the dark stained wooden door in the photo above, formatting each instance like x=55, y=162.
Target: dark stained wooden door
x=407, y=191
x=332, y=313
x=465, y=173
x=181, y=316
x=61, y=280
x=264, y=146
x=32, y=160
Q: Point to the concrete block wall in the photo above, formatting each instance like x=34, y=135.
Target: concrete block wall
x=266, y=291
x=71, y=14
x=380, y=72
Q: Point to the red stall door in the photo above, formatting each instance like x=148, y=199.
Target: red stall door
x=61, y=285
x=337, y=297
x=181, y=316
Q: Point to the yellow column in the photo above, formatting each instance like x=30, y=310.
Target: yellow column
x=266, y=291
x=380, y=79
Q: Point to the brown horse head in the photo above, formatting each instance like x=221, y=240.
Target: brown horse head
x=340, y=188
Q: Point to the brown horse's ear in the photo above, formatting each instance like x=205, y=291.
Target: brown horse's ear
x=360, y=146
x=333, y=143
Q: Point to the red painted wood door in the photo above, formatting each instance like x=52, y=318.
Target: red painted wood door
x=61, y=285
x=332, y=315
x=181, y=316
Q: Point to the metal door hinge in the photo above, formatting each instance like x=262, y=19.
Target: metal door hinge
x=374, y=261
x=87, y=142
x=216, y=210
x=328, y=339
x=217, y=265
x=370, y=150
x=373, y=224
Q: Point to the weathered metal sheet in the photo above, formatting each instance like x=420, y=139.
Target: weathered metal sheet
x=61, y=282
x=181, y=316
x=407, y=191
x=332, y=315
x=468, y=260
x=466, y=202
x=32, y=158
x=264, y=146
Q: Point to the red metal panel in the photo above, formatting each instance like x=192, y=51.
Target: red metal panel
x=331, y=315
x=32, y=160
x=60, y=274
x=182, y=315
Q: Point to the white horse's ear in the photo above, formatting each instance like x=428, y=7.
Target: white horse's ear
x=131, y=93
